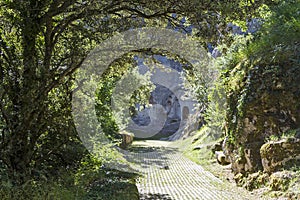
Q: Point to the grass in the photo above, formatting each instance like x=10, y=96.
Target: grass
x=36, y=190
x=204, y=156
x=92, y=180
x=106, y=185
x=205, y=141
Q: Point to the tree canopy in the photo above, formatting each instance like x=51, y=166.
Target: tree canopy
x=44, y=42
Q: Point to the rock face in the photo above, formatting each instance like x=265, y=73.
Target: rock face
x=262, y=92
x=265, y=104
x=250, y=160
x=283, y=153
x=163, y=96
x=279, y=181
x=174, y=119
x=166, y=98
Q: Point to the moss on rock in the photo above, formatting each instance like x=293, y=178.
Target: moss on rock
x=262, y=90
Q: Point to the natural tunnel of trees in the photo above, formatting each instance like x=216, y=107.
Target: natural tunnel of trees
x=44, y=42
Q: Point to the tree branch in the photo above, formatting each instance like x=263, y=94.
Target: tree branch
x=58, y=7
x=64, y=74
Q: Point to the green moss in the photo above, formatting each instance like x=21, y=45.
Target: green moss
x=256, y=181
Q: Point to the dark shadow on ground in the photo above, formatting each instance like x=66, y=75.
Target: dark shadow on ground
x=145, y=159
x=151, y=196
x=142, y=149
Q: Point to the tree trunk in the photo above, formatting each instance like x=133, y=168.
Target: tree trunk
x=26, y=109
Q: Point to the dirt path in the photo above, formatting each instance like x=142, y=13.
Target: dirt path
x=167, y=174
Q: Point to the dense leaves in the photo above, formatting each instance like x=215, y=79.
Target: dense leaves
x=262, y=86
x=43, y=42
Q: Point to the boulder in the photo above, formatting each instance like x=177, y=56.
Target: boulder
x=127, y=139
x=268, y=108
x=221, y=158
x=279, y=181
x=280, y=154
x=255, y=180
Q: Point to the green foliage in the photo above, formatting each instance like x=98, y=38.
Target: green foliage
x=98, y=182
x=261, y=80
x=210, y=19
x=279, y=38
x=89, y=184
x=43, y=43
x=273, y=138
x=217, y=106
x=215, y=112
x=35, y=190
x=110, y=121
x=92, y=180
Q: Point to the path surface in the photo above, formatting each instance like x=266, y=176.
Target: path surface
x=167, y=174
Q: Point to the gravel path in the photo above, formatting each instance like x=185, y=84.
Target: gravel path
x=167, y=174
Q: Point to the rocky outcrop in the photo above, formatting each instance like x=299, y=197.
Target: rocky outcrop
x=267, y=103
x=174, y=103
x=280, y=154
x=171, y=109
x=262, y=88
x=169, y=105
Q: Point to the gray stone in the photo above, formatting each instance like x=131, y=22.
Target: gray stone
x=169, y=101
x=236, y=30
x=251, y=160
x=169, y=104
x=254, y=25
x=197, y=147
x=221, y=158
x=127, y=139
x=216, y=53
x=280, y=154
